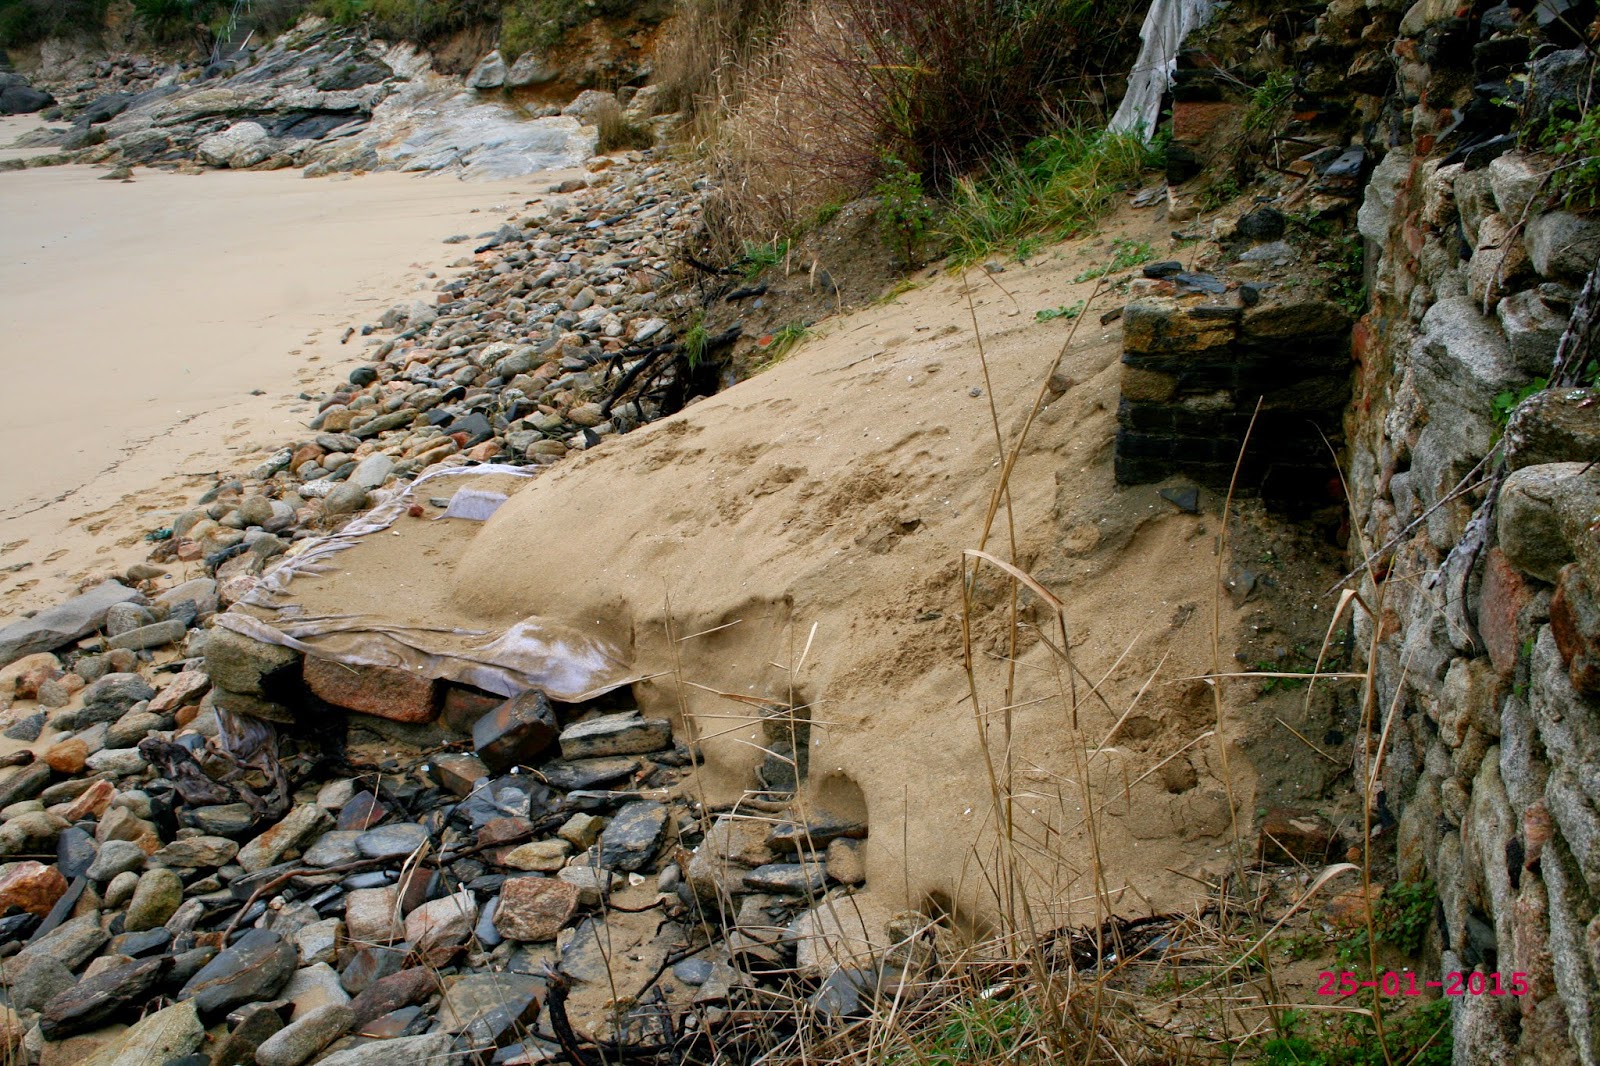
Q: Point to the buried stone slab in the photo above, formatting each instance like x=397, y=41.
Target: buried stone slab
x=631, y=839
x=383, y=692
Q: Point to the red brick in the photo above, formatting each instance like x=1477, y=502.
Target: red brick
x=380, y=691
x=1504, y=595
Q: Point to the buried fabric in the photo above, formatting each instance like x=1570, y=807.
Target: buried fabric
x=319, y=603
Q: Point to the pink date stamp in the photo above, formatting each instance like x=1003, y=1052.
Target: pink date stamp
x=1398, y=983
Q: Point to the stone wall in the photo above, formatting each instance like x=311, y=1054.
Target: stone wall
x=1493, y=755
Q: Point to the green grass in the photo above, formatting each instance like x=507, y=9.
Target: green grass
x=1269, y=104
x=1125, y=255
x=1056, y=188
x=974, y=1031
x=1419, y=1037
x=761, y=257
x=694, y=342
x=785, y=339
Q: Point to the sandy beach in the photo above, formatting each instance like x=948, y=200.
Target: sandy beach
x=158, y=331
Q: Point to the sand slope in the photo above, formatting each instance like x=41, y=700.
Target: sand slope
x=796, y=539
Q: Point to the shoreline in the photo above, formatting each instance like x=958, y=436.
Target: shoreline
x=185, y=352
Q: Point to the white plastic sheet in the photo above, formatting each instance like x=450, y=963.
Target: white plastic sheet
x=1165, y=26
x=534, y=652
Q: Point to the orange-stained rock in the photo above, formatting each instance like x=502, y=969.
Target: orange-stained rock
x=31, y=886
x=398, y=695
x=92, y=803
x=188, y=687
x=67, y=756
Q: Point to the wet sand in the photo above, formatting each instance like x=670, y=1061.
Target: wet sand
x=139, y=319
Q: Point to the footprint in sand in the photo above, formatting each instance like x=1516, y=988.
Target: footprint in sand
x=53, y=556
x=12, y=546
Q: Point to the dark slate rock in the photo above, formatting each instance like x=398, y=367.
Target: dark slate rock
x=789, y=838
x=788, y=878
x=251, y=971
x=1263, y=224
x=568, y=775
x=631, y=839
x=515, y=732
x=27, y=729
x=94, y=1000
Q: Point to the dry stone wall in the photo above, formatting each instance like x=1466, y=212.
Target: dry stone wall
x=1488, y=686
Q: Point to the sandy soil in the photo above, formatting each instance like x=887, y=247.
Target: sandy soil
x=140, y=319
x=797, y=540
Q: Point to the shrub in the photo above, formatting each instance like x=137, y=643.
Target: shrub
x=167, y=21
x=26, y=21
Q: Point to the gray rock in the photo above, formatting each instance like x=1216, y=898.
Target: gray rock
x=1532, y=330
x=241, y=664
x=27, y=729
x=1541, y=508
x=335, y=848
x=794, y=879
x=251, y=970
x=298, y=827
x=197, y=853
x=305, y=1036
x=94, y=1000
x=23, y=782
x=372, y=471
x=431, y=1050
x=116, y=693
x=158, y=635
x=490, y=73
x=38, y=981
x=64, y=623
x=531, y=68
x=616, y=734
x=115, y=857
x=630, y=841
x=1554, y=426
x=346, y=498
x=1515, y=180
x=159, y=893
x=124, y=617
x=1377, y=207
x=1563, y=245
x=165, y=1036
x=392, y=841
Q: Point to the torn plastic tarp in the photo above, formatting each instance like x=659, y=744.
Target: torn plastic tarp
x=1165, y=26
x=534, y=652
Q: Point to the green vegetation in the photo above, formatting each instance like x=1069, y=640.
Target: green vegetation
x=1125, y=255
x=1401, y=920
x=784, y=341
x=1067, y=311
x=975, y=1030
x=1055, y=188
x=1269, y=104
x=1507, y=400
x=1575, y=142
x=904, y=212
x=760, y=257
x=418, y=20
x=695, y=341
x=1419, y=1037
x=26, y=21
x=168, y=21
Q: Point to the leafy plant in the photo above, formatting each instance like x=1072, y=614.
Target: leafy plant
x=784, y=341
x=1575, y=142
x=904, y=213
x=1507, y=400
x=1269, y=104
x=168, y=20
x=1066, y=311
x=1401, y=919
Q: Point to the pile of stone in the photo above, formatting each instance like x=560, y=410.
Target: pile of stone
x=308, y=891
